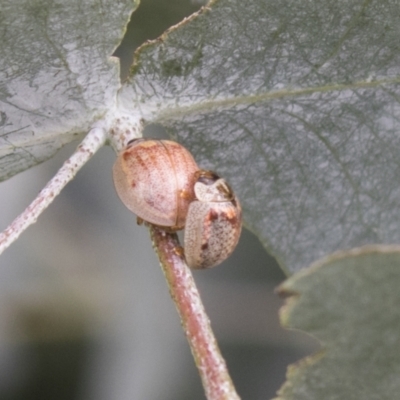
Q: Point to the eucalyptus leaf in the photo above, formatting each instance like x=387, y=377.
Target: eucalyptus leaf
x=56, y=74
x=350, y=302
x=296, y=103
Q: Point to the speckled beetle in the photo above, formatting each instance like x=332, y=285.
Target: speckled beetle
x=161, y=183
x=213, y=223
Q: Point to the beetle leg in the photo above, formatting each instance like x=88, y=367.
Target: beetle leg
x=179, y=251
x=139, y=221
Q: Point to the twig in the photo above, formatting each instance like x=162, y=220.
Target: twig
x=93, y=141
x=209, y=361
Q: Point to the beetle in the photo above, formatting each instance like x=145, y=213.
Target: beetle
x=155, y=180
x=214, y=222
x=161, y=183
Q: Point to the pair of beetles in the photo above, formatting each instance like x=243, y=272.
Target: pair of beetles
x=161, y=183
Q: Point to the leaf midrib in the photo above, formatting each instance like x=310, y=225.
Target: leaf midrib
x=211, y=105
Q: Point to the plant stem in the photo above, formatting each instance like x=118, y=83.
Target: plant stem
x=209, y=361
x=92, y=142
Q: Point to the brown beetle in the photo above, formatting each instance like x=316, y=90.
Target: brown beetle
x=155, y=180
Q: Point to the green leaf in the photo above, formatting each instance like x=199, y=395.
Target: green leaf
x=296, y=102
x=56, y=74
x=350, y=302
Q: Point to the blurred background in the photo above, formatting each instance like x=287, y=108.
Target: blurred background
x=85, y=312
